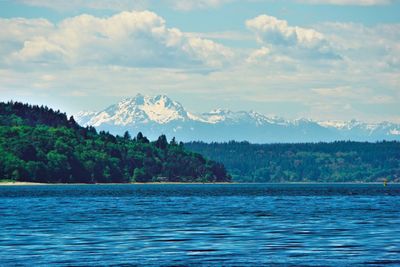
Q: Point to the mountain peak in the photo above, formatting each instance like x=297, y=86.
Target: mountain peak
x=143, y=100
x=139, y=109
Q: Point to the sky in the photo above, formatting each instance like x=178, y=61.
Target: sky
x=317, y=59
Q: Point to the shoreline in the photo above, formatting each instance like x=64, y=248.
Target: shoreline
x=8, y=183
x=150, y=183
x=21, y=183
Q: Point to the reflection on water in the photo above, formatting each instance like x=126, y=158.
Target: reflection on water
x=200, y=224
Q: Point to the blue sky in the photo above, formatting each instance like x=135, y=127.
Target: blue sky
x=320, y=59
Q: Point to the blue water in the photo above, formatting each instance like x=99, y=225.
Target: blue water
x=223, y=225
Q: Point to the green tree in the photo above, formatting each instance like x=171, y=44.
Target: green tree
x=127, y=136
x=162, y=142
x=141, y=176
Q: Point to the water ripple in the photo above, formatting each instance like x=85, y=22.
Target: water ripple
x=180, y=225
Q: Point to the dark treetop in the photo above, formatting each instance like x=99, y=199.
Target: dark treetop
x=307, y=162
x=38, y=144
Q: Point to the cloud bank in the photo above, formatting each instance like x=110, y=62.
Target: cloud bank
x=135, y=38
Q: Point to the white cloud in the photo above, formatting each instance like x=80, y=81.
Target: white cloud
x=348, y=2
x=61, y=5
x=120, y=5
x=15, y=31
x=234, y=36
x=270, y=30
x=375, y=48
x=273, y=30
x=187, y=5
x=258, y=54
x=136, y=38
x=207, y=51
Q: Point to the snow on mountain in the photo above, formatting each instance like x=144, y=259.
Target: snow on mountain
x=139, y=109
x=394, y=132
x=382, y=128
x=348, y=125
x=160, y=115
x=227, y=116
x=83, y=117
x=216, y=115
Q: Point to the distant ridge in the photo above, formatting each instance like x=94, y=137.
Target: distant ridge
x=155, y=115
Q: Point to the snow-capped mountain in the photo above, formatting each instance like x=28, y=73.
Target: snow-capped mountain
x=161, y=115
x=139, y=109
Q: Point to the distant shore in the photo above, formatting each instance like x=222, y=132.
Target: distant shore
x=32, y=183
x=11, y=183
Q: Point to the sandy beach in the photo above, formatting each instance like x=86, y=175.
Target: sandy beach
x=20, y=183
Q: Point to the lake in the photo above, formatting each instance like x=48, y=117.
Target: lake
x=230, y=225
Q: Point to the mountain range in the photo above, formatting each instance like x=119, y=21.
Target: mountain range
x=155, y=115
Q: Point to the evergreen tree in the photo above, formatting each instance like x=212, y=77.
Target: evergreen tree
x=162, y=142
x=127, y=136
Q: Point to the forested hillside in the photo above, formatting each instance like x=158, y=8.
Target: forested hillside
x=38, y=144
x=313, y=162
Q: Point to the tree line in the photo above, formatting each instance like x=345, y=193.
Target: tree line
x=343, y=161
x=39, y=144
